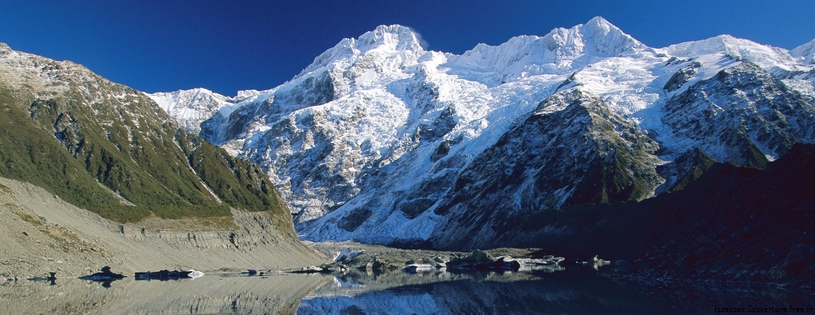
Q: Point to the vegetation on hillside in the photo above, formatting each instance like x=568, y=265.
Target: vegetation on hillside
x=93, y=139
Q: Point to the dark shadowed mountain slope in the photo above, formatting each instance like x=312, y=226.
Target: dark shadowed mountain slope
x=732, y=223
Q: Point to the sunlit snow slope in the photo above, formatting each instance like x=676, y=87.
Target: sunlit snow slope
x=381, y=141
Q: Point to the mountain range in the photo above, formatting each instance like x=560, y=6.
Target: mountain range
x=382, y=141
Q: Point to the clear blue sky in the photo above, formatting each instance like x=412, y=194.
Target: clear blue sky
x=231, y=45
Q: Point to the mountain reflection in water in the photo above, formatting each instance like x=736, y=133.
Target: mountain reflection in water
x=566, y=292
x=488, y=293
x=574, y=291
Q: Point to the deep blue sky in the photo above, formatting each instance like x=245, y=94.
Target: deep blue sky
x=232, y=45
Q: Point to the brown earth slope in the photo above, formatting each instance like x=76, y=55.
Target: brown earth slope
x=42, y=233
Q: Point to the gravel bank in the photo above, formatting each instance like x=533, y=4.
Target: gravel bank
x=43, y=233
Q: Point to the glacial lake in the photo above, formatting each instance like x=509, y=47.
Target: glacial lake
x=572, y=291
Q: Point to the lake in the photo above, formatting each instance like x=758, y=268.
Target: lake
x=572, y=291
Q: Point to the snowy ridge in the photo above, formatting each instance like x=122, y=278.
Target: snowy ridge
x=383, y=38
x=805, y=53
x=562, y=51
x=767, y=57
x=372, y=140
x=191, y=107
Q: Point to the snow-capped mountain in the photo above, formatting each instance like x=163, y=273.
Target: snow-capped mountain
x=381, y=141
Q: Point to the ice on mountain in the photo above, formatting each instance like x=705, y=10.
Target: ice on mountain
x=767, y=57
x=363, y=139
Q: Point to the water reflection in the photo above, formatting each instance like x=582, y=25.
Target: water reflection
x=211, y=294
x=359, y=292
x=491, y=293
x=577, y=290
x=51, y=279
x=700, y=298
x=105, y=276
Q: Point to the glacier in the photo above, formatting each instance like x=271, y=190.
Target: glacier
x=375, y=140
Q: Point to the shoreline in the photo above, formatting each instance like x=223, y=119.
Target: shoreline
x=43, y=234
x=46, y=234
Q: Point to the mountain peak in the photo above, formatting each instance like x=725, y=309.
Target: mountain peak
x=606, y=37
x=409, y=143
x=4, y=49
x=396, y=37
x=598, y=22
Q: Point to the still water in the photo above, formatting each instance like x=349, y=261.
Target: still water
x=564, y=292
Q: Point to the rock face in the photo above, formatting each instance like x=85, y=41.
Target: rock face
x=743, y=115
x=570, y=151
x=381, y=141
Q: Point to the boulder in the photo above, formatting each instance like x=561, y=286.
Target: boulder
x=479, y=256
